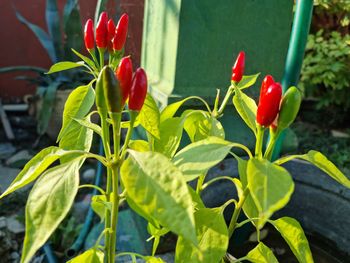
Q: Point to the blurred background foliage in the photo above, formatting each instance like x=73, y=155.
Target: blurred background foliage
x=326, y=68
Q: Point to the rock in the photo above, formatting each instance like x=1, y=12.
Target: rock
x=14, y=226
x=19, y=159
x=81, y=208
x=89, y=174
x=3, y=223
x=7, y=175
x=6, y=150
x=340, y=134
x=14, y=256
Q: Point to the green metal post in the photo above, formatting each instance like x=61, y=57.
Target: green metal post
x=295, y=55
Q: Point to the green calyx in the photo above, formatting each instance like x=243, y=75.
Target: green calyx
x=289, y=108
x=111, y=90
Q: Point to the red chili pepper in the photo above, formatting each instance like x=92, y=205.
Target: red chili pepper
x=111, y=30
x=124, y=76
x=269, y=104
x=89, y=35
x=138, y=90
x=121, y=32
x=102, y=31
x=238, y=67
x=267, y=82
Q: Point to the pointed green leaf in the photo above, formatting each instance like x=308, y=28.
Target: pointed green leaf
x=139, y=145
x=78, y=104
x=247, y=81
x=35, y=167
x=293, y=234
x=170, y=110
x=246, y=108
x=88, y=124
x=72, y=27
x=149, y=116
x=170, y=136
x=154, y=260
x=159, y=189
x=87, y=60
x=41, y=35
x=321, y=162
x=261, y=254
x=200, y=125
x=99, y=204
x=64, y=65
x=249, y=207
x=270, y=185
x=54, y=26
x=89, y=256
x=48, y=203
x=212, y=235
x=198, y=157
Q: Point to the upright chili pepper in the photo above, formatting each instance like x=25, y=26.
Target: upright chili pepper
x=102, y=31
x=138, y=90
x=111, y=30
x=121, y=32
x=89, y=39
x=289, y=108
x=124, y=76
x=267, y=82
x=269, y=103
x=111, y=90
x=238, y=68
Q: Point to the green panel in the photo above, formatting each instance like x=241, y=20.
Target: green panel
x=211, y=36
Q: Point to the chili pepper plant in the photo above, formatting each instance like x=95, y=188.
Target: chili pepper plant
x=152, y=175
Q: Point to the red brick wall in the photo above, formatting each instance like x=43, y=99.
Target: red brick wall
x=19, y=46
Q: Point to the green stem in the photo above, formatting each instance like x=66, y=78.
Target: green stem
x=229, y=92
x=200, y=182
x=128, y=136
x=271, y=145
x=116, y=120
x=236, y=212
x=101, y=51
x=259, y=141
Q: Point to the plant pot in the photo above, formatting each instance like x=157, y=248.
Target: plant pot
x=55, y=122
x=320, y=204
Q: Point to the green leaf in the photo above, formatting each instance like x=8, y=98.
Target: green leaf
x=261, y=254
x=154, y=260
x=78, y=104
x=249, y=207
x=72, y=134
x=247, y=81
x=86, y=59
x=159, y=189
x=41, y=35
x=212, y=235
x=293, y=234
x=139, y=146
x=321, y=162
x=199, y=157
x=99, y=204
x=72, y=27
x=89, y=256
x=270, y=185
x=48, y=203
x=35, y=167
x=170, y=136
x=246, y=108
x=196, y=199
x=170, y=110
x=200, y=125
x=22, y=68
x=149, y=117
x=53, y=24
x=88, y=124
x=64, y=65
x=47, y=107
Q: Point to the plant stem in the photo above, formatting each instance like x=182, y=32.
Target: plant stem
x=116, y=119
x=101, y=51
x=200, y=182
x=271, y=145
x=226, y=98
x=259, y=141
x=128, y=137
x=236, y=212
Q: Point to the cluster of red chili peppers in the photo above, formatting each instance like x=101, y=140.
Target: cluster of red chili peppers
x=273, y=110
x=129, y=85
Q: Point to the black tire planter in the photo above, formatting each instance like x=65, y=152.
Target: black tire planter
x=320, y=204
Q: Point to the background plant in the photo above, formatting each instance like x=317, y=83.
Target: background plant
x=325, y=72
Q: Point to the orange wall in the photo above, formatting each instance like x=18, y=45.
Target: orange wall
x=19, y=46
